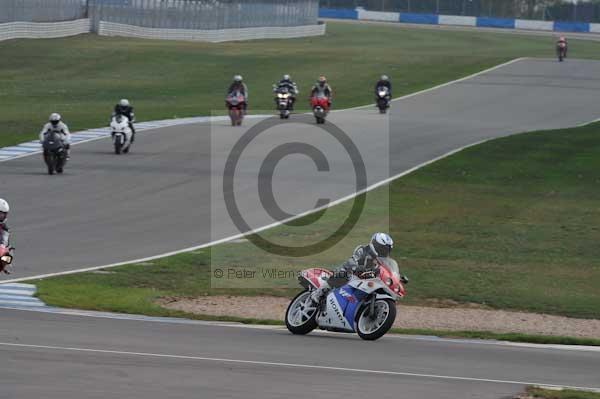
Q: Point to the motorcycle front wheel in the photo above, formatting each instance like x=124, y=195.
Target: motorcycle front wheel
x=301, y=314
x=372, y=327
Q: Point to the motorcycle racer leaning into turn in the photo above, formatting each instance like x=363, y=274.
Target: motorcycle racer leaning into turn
x=56, y=124
x=359, y=263
x=4, y=231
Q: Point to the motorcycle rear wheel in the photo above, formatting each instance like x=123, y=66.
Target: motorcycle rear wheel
x=301, y=314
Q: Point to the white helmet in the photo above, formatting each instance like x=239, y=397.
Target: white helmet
x=287, y=77
x=382, y=244
x=4, y=208
x=54, y=118
x=238, y=78
x=124, y=102
x=384, y=77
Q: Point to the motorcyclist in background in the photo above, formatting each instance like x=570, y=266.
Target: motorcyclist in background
x=239, y=85
x=56, y=124
x=322, y=88
x=287, y=82
x=361, y=261
x=123, y=107
x=560, y=40
x=4, y=231
x=384, y=80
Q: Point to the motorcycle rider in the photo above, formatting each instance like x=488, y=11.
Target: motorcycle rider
x=55, y=124
x=560, y=40
x=4, y=231
x=322, y=88
x=123, y=107
x=361, y=261
x=239, y=85
x=384, y=81
x=288, y=83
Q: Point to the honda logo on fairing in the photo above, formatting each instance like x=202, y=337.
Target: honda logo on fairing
x=339, y=314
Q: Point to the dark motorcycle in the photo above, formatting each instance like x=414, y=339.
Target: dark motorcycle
x=383, y=99
x=283, y=100
x=55, y=153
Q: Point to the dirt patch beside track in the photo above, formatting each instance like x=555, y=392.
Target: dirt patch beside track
x=409, y=317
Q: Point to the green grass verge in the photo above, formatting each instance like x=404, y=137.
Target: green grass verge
x=508, y=224
x=82, y=77
x=564, y=394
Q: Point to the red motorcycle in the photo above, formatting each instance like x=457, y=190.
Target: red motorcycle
x=320, y=107
x=235, y=102
x=561, y=49
x=6, y=259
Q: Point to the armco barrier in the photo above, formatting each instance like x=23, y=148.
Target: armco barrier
x=458, y=20
x=338, y=13
x=571, y=26
x=412, y=18
x=534, y=25
x=496, y=22
x=213, y=35
x=378, y=15
x=43, y=30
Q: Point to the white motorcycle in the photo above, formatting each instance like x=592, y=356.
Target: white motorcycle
x=365, y=305
x=121, y=133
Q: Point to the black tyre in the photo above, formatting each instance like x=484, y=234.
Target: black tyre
x=369, y=328
x=118, y=146
x=50, y=162
x=301, y=314
x=126, y=150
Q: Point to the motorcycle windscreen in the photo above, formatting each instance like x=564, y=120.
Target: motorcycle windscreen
x=350, y=300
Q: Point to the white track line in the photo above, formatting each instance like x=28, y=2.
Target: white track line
x=281, y=328
x=291, y=365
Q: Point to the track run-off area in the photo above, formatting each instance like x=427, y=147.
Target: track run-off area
x=158, y=199
x=165, y=196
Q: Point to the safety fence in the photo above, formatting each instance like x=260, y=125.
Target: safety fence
x=458, y=20
x=42, y=10
x=211, y=35
x=43, y=30
x=205, y=14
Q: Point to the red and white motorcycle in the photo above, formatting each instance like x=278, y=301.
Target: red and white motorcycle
x=235, y=104
x=365, y=305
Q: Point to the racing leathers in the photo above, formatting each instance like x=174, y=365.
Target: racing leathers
x=4, y=243
x=384, y=83
x=242, y=88
x=558, y=43
x=63, y=131
x=360, y=262
x=128, y=112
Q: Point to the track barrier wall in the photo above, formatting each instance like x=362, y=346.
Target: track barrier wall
x=458, y=20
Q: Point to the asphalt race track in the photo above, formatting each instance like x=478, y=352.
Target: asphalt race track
x=107, y=208
x=70, y=357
